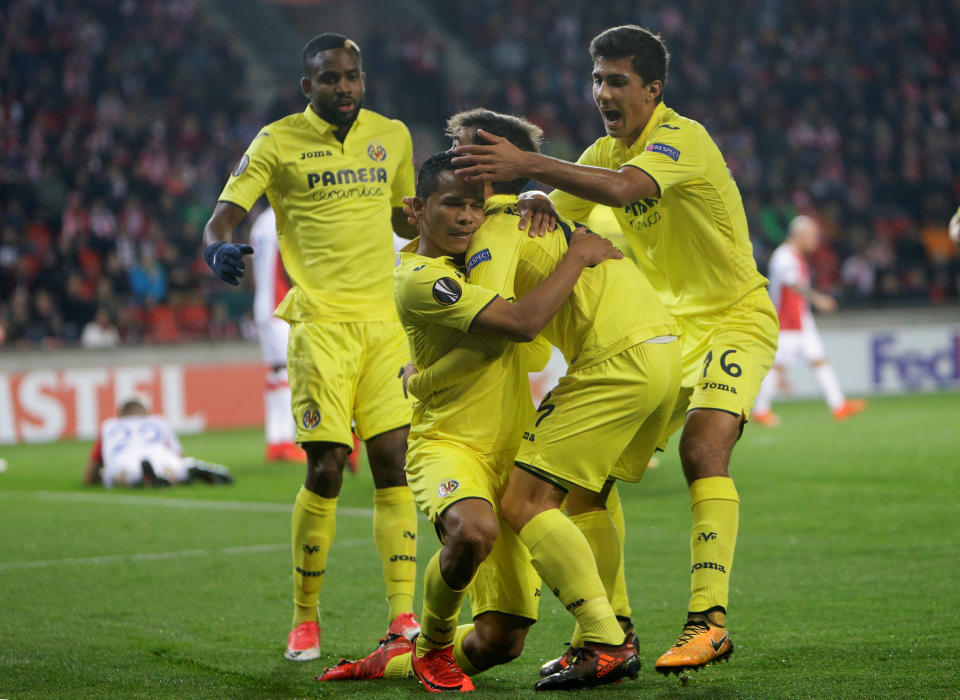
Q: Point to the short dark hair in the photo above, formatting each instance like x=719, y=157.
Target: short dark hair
x=325, y=42
x=646, y=50
x=428, y=178
x=516, y=130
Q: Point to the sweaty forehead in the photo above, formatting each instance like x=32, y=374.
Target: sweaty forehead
x=339, y=60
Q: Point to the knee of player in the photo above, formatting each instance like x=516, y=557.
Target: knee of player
x=474, y=538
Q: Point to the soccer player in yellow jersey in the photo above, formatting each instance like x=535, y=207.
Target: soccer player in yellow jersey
x=464, y=438
x=681, y=211
x=335, y=175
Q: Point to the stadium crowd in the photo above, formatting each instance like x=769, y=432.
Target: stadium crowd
x=118, y=121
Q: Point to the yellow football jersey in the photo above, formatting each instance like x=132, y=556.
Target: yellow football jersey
x=333, y=203
x=612, y=306
x=692, y=241
x=436, y=306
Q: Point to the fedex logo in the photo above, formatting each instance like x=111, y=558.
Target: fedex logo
x=915, y=367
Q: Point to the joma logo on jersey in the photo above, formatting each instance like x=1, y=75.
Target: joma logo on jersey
x=346, y=176
x=315, y=154
x=719, y=386
x=402, y=557
x=641, y=206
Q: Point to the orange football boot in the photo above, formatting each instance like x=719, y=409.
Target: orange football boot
x=704, y=641
x=767, y=418
x=850, y=407
x=437, y=670
x=303, y=644
x=370, y=667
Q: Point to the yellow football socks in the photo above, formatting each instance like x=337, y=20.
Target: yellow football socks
x=398, y=667
x=716, y=511
x=600, y=533
x=441, y=608
x=619, y=600
x=562, y=557
x=395, y=535
x=313, y=526
x=459, y=654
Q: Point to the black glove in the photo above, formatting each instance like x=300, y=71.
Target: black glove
x=226, y=260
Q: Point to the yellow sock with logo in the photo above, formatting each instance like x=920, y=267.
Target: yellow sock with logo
x=398, y=667
x=600, y=533
x=441, y=609
x=562, y=557
x=313, y=525
x=459, y=654
x=395, y=535
x=716, y=513
x=619, y=600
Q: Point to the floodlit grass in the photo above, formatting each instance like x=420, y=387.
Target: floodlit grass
x=845, y=580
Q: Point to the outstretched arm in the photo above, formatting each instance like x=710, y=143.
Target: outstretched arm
x=523, y=320
x=501, y=161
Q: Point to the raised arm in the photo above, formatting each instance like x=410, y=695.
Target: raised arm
x=501, y=161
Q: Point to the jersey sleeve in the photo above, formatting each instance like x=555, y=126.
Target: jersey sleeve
x=254, y=173
x=441, y=296
x=673, y=156
x=404, y=183
x=571, y=206
x=494, y=267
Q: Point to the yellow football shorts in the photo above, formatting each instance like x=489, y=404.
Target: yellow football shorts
x=347, y=373
x=604, y=421
x=726, y=355
x=440, y=473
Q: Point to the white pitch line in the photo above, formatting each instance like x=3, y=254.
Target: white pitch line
x=161, y=556
x=187, y=503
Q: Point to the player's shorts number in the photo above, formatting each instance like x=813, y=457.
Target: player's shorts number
x=731, y=368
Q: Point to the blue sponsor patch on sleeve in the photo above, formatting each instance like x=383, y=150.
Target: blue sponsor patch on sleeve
x=477, y=258
x=666, y=150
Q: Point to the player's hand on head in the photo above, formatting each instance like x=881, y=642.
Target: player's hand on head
x=591, y=247
x=498, y=161
x=537, y=209
x=226, y=260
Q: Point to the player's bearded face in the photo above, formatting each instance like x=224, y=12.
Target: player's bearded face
x=622, y=98
x=335, y=85
x=451, y=215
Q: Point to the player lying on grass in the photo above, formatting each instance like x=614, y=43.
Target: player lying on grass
x=463, y=439
x=139, y=449
x=681, y=212
x=608, y=411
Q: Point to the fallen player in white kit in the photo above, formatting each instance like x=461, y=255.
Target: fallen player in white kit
x=138, y=449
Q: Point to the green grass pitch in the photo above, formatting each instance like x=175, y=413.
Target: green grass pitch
x=844, y=585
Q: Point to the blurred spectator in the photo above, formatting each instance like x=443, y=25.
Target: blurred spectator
x=100, y=332
x=148, y=279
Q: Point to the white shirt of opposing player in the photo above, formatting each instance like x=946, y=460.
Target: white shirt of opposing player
x=799, y=337
x=126, y=442
x=269, y=287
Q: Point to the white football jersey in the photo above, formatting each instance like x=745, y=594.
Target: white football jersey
x=126, y=441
